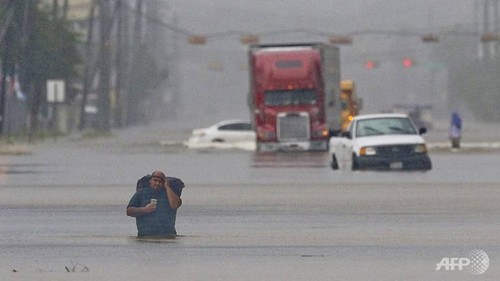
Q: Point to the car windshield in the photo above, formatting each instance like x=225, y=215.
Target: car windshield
x=236, y=127
x=385, y=126
x=290, y=97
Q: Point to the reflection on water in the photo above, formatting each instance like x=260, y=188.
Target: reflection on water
x=290, y=159
x=249, y=146
x=19, y=168
x=159, y=240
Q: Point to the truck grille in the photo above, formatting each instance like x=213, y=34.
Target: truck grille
x=395, y=151
x=293, y=127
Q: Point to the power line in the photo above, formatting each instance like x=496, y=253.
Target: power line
x=157, y=21
x=361, y=32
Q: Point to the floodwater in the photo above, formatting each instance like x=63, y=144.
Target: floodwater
x=245, y=216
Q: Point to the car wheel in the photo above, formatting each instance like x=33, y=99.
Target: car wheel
x=355, y=165
x=334, y=164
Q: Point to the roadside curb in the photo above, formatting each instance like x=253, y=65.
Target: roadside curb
x=16, y=149
x=464, y=146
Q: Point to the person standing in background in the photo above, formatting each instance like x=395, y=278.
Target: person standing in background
x=455, y=130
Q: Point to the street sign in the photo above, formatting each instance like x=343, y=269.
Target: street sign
x=55, y=91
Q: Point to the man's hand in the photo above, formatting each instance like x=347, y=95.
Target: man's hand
x=149, y=208
x=139, y=211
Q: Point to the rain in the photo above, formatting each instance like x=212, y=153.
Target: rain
x=64, y=187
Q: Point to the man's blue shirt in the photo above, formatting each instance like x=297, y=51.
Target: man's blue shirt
x=161, y=222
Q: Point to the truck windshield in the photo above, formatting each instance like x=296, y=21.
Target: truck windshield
x=384, y=126
x=290, y=97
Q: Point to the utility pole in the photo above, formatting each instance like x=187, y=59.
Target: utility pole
x=3, y=94
x=125, y=65
x=118, y=114
x=154, y=44
x=487, y=25
x=65, y=9
x=6, y=45
x=55, y=9
x=173, y=78
x=132, y=98
x=104, y=65
x=88, y=75
x=496, y=26
x=137, y=37
x=26, y=73
x=486, y=20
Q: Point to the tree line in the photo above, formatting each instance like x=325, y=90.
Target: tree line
x=34, y=47
x=110, y=60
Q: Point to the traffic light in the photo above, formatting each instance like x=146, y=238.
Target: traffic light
x=430, y=38
x=197, y=40
x=407, y=62
x=370, y=64
x=489, y=37
x=340, y=40
x=248, y=39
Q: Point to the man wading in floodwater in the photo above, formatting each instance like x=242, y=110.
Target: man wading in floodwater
x=155, y=207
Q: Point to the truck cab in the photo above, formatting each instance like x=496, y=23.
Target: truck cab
x=290, y=96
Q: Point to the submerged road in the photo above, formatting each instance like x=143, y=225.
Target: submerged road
x=245, y=216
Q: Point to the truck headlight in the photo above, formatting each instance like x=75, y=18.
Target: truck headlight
x=320, y=133
x=420, y=148
x=367, y=151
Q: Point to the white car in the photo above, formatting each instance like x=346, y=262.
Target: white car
x=228, y=131
x=380, y=141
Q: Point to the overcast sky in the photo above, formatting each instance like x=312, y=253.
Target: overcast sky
x=207, y=16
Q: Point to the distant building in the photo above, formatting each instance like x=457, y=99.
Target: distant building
x=78, y=12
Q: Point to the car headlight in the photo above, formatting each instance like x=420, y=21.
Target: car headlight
x=420, y=148
x=367, y=151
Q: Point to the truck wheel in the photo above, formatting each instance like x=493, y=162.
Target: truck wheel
x=334, y=164
x=355, y=165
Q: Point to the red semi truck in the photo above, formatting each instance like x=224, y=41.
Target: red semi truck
x=293, y=97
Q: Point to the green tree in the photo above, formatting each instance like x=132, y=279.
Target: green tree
x=39, y=47
x=54, y=55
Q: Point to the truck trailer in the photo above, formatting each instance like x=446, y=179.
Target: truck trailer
x=294, y=95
